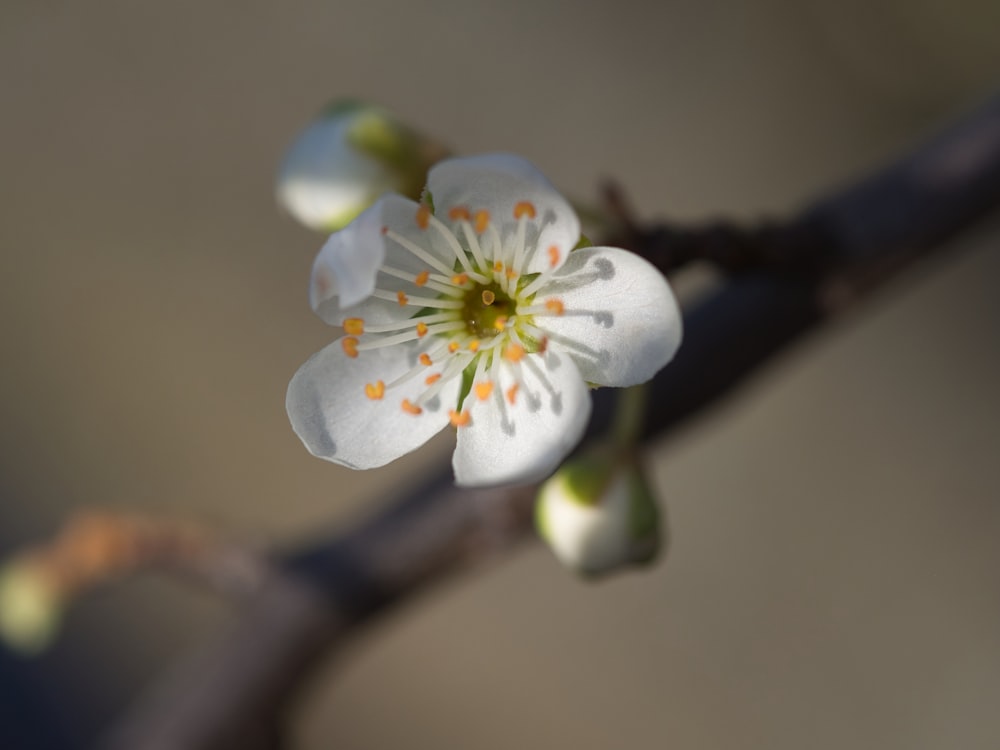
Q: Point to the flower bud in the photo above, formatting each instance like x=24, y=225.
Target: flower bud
x=30, y=607
x=598, y=516
x=349, y=157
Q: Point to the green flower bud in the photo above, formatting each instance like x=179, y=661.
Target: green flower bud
x=599, y=515
x=349, y=157
x=30, y=607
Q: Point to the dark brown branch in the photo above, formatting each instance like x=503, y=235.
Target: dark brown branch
x=786, y=279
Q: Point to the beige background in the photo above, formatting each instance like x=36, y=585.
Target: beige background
x=833, y=577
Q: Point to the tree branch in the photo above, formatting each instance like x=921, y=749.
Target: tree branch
x=785, y=280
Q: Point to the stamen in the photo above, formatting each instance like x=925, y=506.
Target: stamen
x=421, y=329
x=423, y=216
x=446, y=304
x=473, y=345
x=460, y=278
x=350, y=346
x=453, y=347
x=459, y=419
x=484, y=389
x=411, y=408
x=553, y=256
x=514, y=353
x=555, y=306
x=524, y=208
x=498, y=267
x=401, y=298
x=422, y=278
x=425, y=359
x=512, y=393
x=482, y=221
x=459, y=213
x=456, y=248
x=375, y=390
x=400, y=325
x=432, y=379
x=407, y=335
x=500, y=323
x=354, y=326
x=416, y=250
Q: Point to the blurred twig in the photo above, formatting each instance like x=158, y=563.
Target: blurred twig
x=785, y=279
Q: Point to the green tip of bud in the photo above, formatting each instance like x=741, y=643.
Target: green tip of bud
x=598, y=516
x=349, y=157
x=30, y=608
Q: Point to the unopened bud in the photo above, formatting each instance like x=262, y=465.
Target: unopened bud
x=599, y=516
x=30, y=607
x=349, y=157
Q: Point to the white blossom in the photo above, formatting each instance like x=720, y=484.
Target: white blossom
x=475, y=310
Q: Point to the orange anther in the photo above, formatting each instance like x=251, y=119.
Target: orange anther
x=459, y=212
x=484, y=389
x=410, y=408
x=350, y=346
x=460, y=278
x=514, y=352
x=423, y=216
x=432, y=379
x=401, y=298
x=422, y=278
x=459, y=419
x=555, y=306
x=524, y=208
x=474, y=345
x=482, y=221
x=500, y=323
x=553, y=256
x=375, y=390
x=453, y=347
x=354, y=326
x=425, y=359
x=512, y=393
x=498, y=266
x=511, y=273
x=421, y=329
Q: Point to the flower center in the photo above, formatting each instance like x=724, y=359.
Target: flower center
x=486, y=309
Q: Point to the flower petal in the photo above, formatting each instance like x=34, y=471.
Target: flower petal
x=346, y=270
x=497, y=183
x=620, y=321
x=330, y=412
x=525, y=441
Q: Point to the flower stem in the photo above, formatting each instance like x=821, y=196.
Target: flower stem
x=629, y=415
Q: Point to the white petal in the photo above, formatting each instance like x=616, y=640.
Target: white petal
x=525, y=442
x=497, y=183
x=346, y=271
x=620, y=323
x=330, y=412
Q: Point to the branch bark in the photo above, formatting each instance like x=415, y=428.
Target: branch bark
x=785, y=280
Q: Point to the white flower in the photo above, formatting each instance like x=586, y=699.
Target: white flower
x=477, y=314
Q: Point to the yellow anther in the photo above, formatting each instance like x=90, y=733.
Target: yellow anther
x=453, y=347
x=354, y=326
x=482, y=221
x=459, y=212
x=350, y=346
x=459, y=419
x=553, y=256
x=500, y=323
x=432, y=379
x=460, y=279
x=425, y=359
x=375, y=390
x=488, y=297
x=484, y=389
x=421, y=329
x=423, y=216
x=474, y=345
x=524, y=208
x=514, y=353
x=511, y=273
x=411, y=408
x=555, y=306
x=401, y=298
x=512, y=393
x=422, y=278
x=497, y=267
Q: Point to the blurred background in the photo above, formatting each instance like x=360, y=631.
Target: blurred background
x=832, y=580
